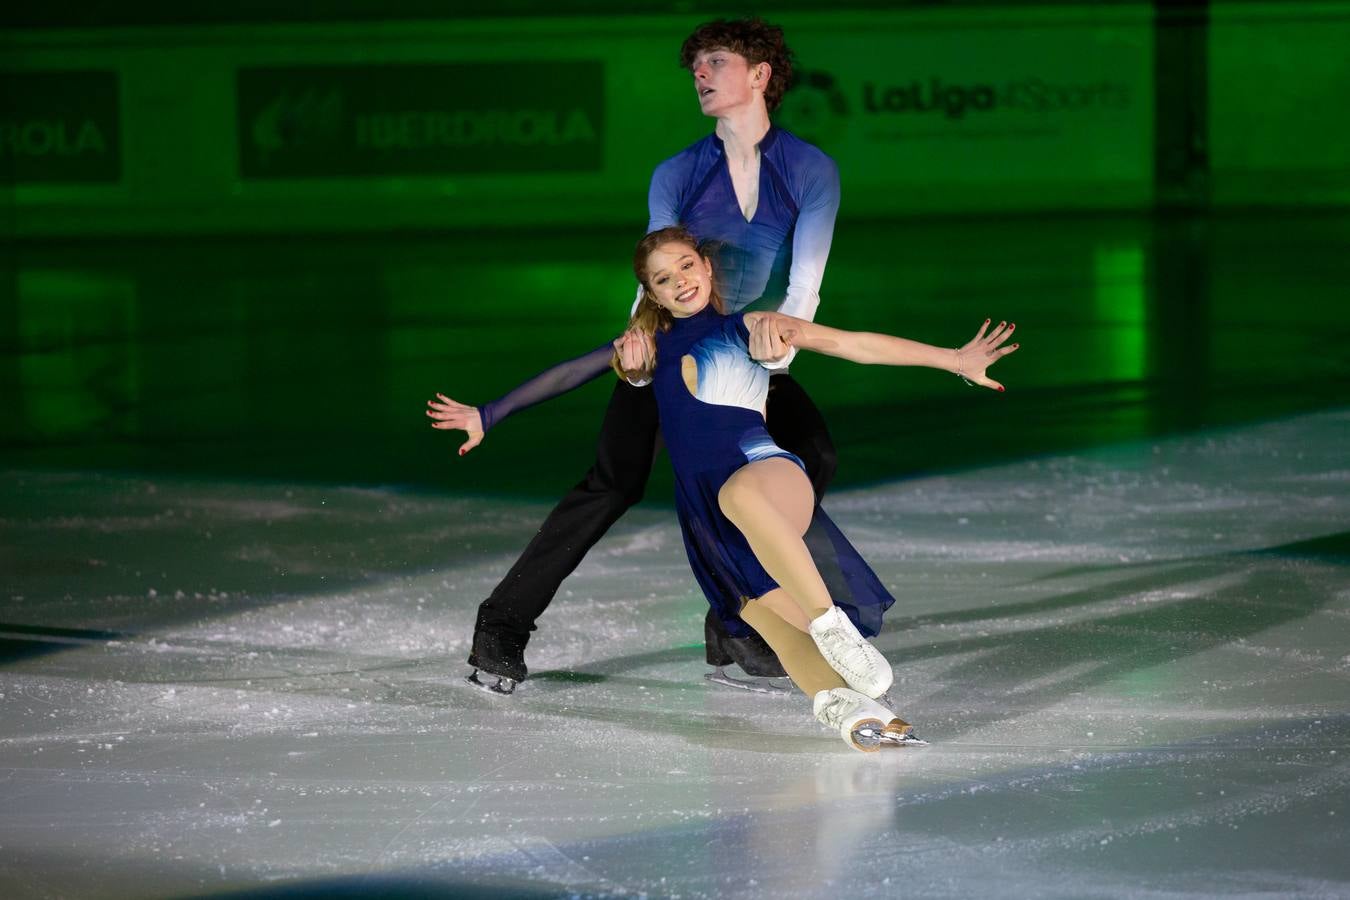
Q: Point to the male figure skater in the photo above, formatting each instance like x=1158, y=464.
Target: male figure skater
x=767, y=200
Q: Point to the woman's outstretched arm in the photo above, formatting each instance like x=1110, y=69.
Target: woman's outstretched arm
x=970, y=361
x=451, y=415
x=636, y=356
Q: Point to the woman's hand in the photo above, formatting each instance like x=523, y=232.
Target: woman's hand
x=637, y=351
x=451, y=415
x=981, y=352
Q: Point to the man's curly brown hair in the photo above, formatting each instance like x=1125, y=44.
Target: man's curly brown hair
x=753, y=38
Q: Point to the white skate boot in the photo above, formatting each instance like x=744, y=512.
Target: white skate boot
x=862, y=722
x=850, y=654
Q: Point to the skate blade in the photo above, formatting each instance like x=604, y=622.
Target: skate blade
x=761, y=686
x=502, y=686
x=869, y=738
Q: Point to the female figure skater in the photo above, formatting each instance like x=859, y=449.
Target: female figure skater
x=745, y=505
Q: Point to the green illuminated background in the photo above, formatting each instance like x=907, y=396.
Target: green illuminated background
x=254, y=241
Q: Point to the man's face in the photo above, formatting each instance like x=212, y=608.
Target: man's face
x=725, y=80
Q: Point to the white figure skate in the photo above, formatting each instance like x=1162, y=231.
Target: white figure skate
x=862, y=722
x=850, y=654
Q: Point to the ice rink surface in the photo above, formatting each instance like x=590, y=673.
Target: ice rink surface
x=1132, y=663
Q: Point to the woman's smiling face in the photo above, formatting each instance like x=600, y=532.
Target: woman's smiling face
x=678, y=279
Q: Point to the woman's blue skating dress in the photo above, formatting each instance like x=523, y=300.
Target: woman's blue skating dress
x=712, y=434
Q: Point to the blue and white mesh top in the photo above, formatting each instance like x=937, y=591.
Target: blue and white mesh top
x=774, y=260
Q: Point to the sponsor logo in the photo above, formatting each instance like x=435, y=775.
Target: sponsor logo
x=310, y=119
x=298, y=121
x=415, y=130
x=956, y=101
x=52, y=137
x=417, y=119
x=60, y=127
x=818, y=109
x=815, y=108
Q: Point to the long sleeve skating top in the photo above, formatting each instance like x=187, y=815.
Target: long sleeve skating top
x=774, y=260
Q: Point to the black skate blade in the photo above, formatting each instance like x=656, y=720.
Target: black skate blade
x=758, y=686
x=502, y=687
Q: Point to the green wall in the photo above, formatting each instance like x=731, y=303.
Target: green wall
x=560, y=120
x=1279, y=132
x=532, y=120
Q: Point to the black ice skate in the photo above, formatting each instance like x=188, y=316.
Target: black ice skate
x=751, y=654
x=499, y=655
x=493, y=684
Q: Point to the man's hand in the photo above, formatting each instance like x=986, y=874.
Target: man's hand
x=451, y=415
x=769, y=341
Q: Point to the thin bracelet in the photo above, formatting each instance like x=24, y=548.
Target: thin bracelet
x=959, y=373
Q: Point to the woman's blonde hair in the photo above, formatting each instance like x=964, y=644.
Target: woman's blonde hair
x=649, y=317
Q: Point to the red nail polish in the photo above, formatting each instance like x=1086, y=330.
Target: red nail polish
x=1000, y=388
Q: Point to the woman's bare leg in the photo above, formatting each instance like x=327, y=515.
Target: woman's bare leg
x=798, y=653
x=786, y=608
x=789, y=641
x=771, y=502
